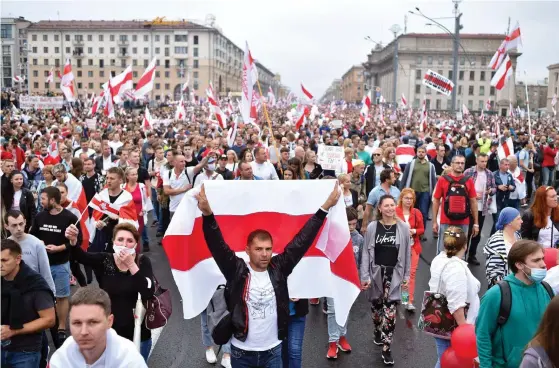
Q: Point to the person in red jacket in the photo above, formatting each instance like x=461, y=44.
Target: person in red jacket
x=548, y=164
x=17, y=152
x=412, y=216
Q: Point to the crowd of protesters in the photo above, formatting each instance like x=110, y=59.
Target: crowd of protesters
x=394, y=177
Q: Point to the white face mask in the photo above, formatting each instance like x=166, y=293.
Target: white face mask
x=211, y=167
x=120, y=248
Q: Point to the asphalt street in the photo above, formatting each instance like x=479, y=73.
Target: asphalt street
x=180, y=344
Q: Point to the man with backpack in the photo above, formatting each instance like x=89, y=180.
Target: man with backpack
x=510, y=313
x=458, y=196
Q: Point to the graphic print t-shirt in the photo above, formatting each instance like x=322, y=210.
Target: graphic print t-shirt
x=386, y=251
x=262, y=314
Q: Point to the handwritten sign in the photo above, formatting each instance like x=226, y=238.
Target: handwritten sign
x=336, y=124
x=40, y=102
x=330, y=157
x=438, y=82
x=91, y=123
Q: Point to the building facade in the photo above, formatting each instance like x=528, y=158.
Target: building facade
x=333, y=92
x=353, y=84
x=537, y=94
x=553, y=86
x=14, y=51
x=266, y=78
x=99, y=49
x=418, y=53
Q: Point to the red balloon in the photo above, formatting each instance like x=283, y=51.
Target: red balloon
x=550, y=257
x=449, y=359
x=463, y=340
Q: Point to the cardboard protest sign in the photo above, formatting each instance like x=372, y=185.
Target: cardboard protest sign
x=330, y=157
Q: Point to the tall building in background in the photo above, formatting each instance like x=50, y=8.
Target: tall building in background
x=537, y=94
x=553, y=86
x=333, y=92
x=14, y=50
x=353, y=84
x=99, y=49
x=419, y=52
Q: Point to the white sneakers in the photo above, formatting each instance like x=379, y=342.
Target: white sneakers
x=212, y=359
x=210, y=356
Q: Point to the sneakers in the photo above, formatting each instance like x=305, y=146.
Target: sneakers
x=377, y=339
x=315, y=301
x=332, y=351
x=210, y=356
x=387, y=357
x=225, y=361
x=344, y=345
x=410, y=307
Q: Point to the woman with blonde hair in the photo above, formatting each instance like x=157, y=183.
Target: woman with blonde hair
x=232, y=161
x=407, y=212
x=389, y=158
x=311, y=168
x=349, y=195
x=346, y=167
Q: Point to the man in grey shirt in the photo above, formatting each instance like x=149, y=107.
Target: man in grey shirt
x=34, y=253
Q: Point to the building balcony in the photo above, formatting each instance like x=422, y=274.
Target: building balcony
x=77, y=42
x=122, y=55
x=78, y=55
x=122, y=42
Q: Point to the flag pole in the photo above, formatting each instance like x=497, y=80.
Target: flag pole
x=528, y=107
x=269, y=125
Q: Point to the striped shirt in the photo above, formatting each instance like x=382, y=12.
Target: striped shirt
x=496, y=265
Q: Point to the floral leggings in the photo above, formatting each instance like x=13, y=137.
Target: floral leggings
x=384, y=314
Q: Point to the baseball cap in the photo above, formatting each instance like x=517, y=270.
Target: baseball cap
x=223, y=157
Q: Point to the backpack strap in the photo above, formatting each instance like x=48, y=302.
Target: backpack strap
x=464, y=180
x=506, y=302
x=449, y=179
x=549, y=290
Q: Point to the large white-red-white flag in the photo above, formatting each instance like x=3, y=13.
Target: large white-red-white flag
x=145, y=84
x=499, y=56
x=67, y=82
x=364, y=113
x=180, y=113
x=505, y=150
x=247, y=84
x=216, y=109
x=121, y=83
x=306, y=92
x=122, y=208
x=147, y=123
x=327, y=269
x=514, y=39
x=502, y=74
x=76, y=194
x=423, y=122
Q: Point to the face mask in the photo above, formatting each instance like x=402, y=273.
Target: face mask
x=211, y=167
x=120, y=248
x=536, y=274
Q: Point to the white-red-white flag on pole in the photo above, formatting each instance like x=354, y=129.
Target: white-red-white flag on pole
x=514, y=39
x=553, y=103
x=303, y=118
x=147, y=124
x=247, y=85
x=502, y=74
x=121, y=83
x=109, y=110
x=404, y=101
x=488, y=105
x=465, y=110
x=232, y=132
x=19, y=78
x=180, y=113
x=423, y=122
x=306, y=92
x=364, y=113
x=50, y=77
x=499, y=56
x=505, y=150
x=145, y=84
x=185, y=85
x=67, y=82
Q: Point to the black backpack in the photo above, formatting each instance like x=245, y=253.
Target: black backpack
x=506, y=300
x=457, y=202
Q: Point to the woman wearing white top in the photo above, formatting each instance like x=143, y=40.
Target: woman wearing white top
x=232, y=162
x=456, y=282
x=498, y=245
x=541, y=222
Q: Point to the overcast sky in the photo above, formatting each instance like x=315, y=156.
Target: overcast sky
x=316, y=41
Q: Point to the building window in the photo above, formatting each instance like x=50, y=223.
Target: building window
x=56, y=37
x=472, y=75
x=46, y=62
x=134, y=50
x=146, y=38
x=90, y=37
x=123, y=63
x=438, y=105
x=90, y=85
x=135, y=74
x=470, y=104
x=80, y=85
x=134, y=38
x=57, y=63
x=167, y=86
x=181, y=50
x=481, y=90
x=157, y=86
x=167, y=39
x=157, y=74
x=33, y=37
x=419, y=60
x=416, y=103
x=34, y=49
x=101, y=63
x=428, y=91
x=480, y=105
x=79, y=73
x=195, y=64
x=482, y=76
x=459, y=90
x=195, y=74
x=461, y=75
x=181, y=38
x=470, y=90
x=429, y=60
x=67, y=38
x=45, y=50
x=158, y=62
x=45, y=37
x=491, y=91
x=112, y=38
x=157, y=50
x=167, y=74
x=195, y=40
x=462, y=60
x=90, y=62
x=450, y=75
x=123, y=37
x=195, y=85
x=101, y=50
x=167, y=64
x=146, y=62
x=101, y=38
x=156, y=38
x=90, y=74
x=146, y=51
x=418, y=74
x=195, y=52
x=67, y=50
x=90, y=50
x=134, y=62
x=441, y=60
x=428, y=103
x=417, y=88
x=35, y=73
x=101, y=72
x=35, y=84
x=167, y=51
x=112, y=50
x=57, y=50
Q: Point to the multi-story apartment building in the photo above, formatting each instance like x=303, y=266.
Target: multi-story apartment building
x=333, y=92
x=353, y=84
x=537, y=95
x=553, y=85
x=419, y=52
x=100, y=49
x=14, y=50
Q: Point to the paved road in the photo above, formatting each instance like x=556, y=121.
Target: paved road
x=180, y=344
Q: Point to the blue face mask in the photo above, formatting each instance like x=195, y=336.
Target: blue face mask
x=537, y=274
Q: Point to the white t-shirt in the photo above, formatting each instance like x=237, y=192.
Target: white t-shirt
x=89, y=152
x=17, y=199
x=115, y=145
x=265, y=171
x=480, y=184
x=544, y=237
x=262, y=314
x=176, y=182
x=348, y=199
x=107, y=163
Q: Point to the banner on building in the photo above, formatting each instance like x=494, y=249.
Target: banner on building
x=40, y=102
x=330, y=157
x=438, y=82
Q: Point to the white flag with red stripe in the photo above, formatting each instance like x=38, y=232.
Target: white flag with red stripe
x=499, y=56
x=122, y=208
x=502, y=74
x=180, y=113
x=121, y=83
x=67, y=82
x=19, y=78
x=404, y=101
x=50, y=77
x=465, y=110
x=145, y=84
x=232, y=133
x=327, y=268
x=247, y=85
x=505, y=150
x=147, y=124
x=216, y=109
x=306, y=92
x=423, y=122
x=366, y=106
x=303, y=118
x=514, y=39
x=109, y=109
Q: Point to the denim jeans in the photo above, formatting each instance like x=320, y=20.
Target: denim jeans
x=145, y=239
x=21, y=359
x=442, y=345
x=292, y=349
x=423, y=202
x=442, y=229
x=145, y=348
x=207, y=336
x=270, y=358
x=335, y=331
x=547, y=175
x=155, y=204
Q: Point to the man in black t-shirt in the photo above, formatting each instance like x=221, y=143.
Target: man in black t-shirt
x=49, y=226
x=222, y=170
x=27, y=309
